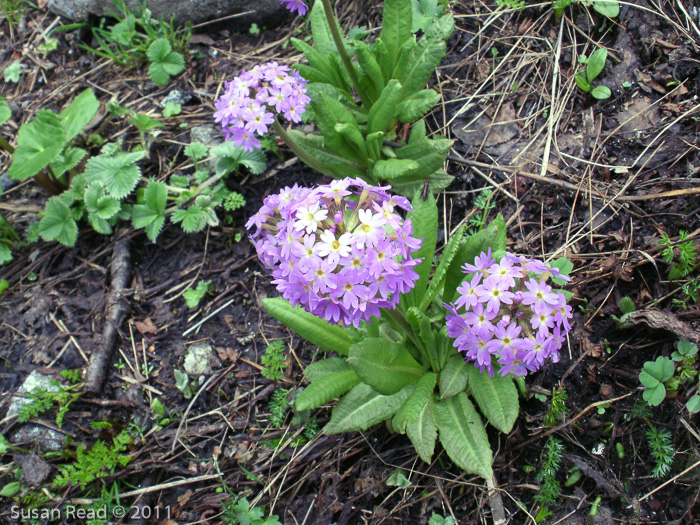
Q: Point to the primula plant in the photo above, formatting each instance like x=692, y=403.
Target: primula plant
x=412, y=350
x=363, y=108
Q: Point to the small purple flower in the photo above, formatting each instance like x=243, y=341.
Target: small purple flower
x=339, y=258
x=295, y=6
x=503, y=316
x=252, y=100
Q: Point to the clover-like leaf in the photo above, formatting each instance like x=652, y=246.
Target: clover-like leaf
x=164, y=61
x=58, y=223
x=12, y=71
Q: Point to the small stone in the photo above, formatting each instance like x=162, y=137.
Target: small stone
x=34, y=469
x=177, y=97
x=46, y=439
x=34, y=381
x=200, y=360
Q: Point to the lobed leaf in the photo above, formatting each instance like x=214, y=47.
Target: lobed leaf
x=58, y=223
x=119, y=172
x=79, y=113
x=39, y=143
x=151, y=214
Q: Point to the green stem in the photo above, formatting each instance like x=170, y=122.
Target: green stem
x=338, y=39
x=300, y=152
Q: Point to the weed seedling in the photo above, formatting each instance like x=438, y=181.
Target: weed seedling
x=274, y=361
x=194, y=295
x=593, y=67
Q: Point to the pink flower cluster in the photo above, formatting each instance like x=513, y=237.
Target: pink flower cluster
x=252, y=99
x=340, y=250
x=295, y=5
x=510, y=313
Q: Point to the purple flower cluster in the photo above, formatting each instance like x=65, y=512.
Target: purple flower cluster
x=252, y=99
x=340, y=250
x=295, y=5
x=509, y=313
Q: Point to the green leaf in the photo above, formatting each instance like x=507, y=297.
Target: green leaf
x=417, y=105
x=254, y=160
x=39, y=142
x=338, y=163
x=423, y=432
x=687, y=348
x=321, y=31
x=119, y=173
x=424, y=219
x=582, y=83
x=414, y=405
x=454, y=377
x=11, y=489
x=609, y=8
x=370, y=66
x=654, y=395
x=693, y=404
x=325, y=389
x=12, y=71
x=392, y=169
x=601, y=92
x=438, y=280
x=79, y=113
x=144, y=123
x=384, y=365
x=363, y=407
x=5, y=112
x=463, y=435
x=497, y=398
x=383, y=110
x=398, y=479
x=5, y=257
x=396, y=26
x=564, y=266
x=3, y=442
x=596, y=63
x=493, y=236
x=67, y=160
x=197, y=150
x=171, y=109
x=164, y=61
x=193, y=219
x=426, y=56
x=314, y=329
x=325, y=367
x=99, y=204
x=151, y=214
x=58, y=223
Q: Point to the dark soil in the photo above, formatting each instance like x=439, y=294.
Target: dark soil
x=618, y=173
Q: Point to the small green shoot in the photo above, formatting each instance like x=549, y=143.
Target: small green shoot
x=12, y=72
x=662, y=450
x=171, y=109
x=237, y=511
x=398, y=479
x=194, y=295
x=278, y=407
x=594, y=66
x=183, y=384
x=438, y=519
x=274, y=361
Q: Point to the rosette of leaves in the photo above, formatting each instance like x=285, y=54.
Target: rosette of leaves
x=364, y=139
x=403, y=369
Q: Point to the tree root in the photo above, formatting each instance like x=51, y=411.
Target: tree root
x=117, y=308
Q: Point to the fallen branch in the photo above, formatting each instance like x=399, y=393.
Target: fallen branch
x=116, y=309
x=665, y=321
